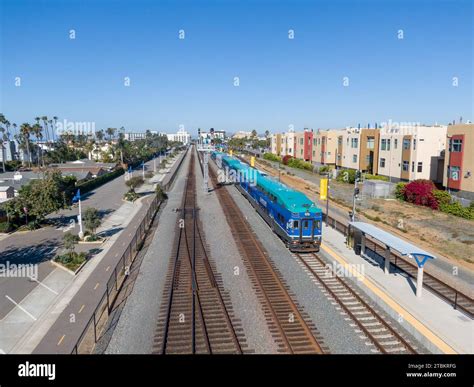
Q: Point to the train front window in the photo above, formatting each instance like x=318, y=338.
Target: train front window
x=305, y=224
x=296, y=224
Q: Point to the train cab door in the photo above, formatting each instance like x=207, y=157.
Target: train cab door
x=306, y=227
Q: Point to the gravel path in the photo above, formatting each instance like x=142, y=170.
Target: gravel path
x=226, y=258
x=136, y=328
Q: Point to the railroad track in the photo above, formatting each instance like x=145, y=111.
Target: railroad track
x=292, y=329
x=196, y=318
x=382, y=335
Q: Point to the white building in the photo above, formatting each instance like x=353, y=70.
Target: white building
x=133, y=136
x=182, y=136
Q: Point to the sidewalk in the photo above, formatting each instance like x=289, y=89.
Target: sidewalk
x=434, y=322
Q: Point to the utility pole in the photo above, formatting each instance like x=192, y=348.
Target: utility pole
x=354, y=196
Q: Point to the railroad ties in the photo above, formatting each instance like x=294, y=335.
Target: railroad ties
x=196, y=317
x=376, y=328
x=291, y=329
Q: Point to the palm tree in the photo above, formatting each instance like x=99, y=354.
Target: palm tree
x=25, y=130
x=45, y=123
x=38, y=132
x=110, y=132
x=55, y=119
x=2, y=138
x=100, y=135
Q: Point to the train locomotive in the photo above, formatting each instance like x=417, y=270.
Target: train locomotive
x=290, y=214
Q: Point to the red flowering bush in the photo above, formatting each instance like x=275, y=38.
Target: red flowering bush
x=421, y=193
x=285, y=159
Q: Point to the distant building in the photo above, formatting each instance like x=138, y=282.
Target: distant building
x=8, y=151
x=182, y=136
x=241, y=134
x=6, y=193
x=133, y=136
x=459, y=160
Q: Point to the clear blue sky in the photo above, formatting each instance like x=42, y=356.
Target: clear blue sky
x=282, y=81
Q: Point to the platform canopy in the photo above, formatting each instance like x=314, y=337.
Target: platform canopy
x=394, y=243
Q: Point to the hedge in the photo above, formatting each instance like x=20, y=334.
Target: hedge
x=272, y=157
x=98, y=181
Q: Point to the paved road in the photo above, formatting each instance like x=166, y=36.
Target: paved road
x=64, y=333
x=39, y=247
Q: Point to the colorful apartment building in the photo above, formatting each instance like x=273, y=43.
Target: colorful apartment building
x=412, y=152
x=459, y=160
x=324, y=150
x=276, y=144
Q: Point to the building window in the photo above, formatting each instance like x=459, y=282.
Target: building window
x=314, y=153
x=301, y=151
x=395, y=143
x=385, y=144
x=354, y=142
x=301, y=141
x=339, y=141
x=347, y=141
x=453, y=173
x=414, y=144
x=420, y=167
x=314, y=142
x=339, y=157
x=382, y=163
x=413, y=166
x=367, y=159
x=406, y=143
x=455, y=145
x=329, y=153
x=370, y=142
x=406, y=165
x=354, y=158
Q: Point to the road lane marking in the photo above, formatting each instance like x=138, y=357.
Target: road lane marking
x=82, y=307
x=23, y=309
x=392, y=303
x=96, y=286
x=42, y=284
x=108, y=267
x=61, y=339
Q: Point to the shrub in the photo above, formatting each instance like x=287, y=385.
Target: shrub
x=134, y=182
x=131, y=196
x=324, y=169
x=300, y=164
x=285, y=160
x=442, y=197
x=368, y=176
x=346, y=176
x=5, y=227
x=456, y=209
x=400, y=191
x=271, y=157
x=420, y=192
x=71, y=260
x=91, y=220
x=160, y=194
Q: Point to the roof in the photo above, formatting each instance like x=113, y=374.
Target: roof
x=5, y=188
x=392, y=241
x=293, y=200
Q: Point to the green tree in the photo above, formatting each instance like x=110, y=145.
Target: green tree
x=69, y=242
x=91, y=220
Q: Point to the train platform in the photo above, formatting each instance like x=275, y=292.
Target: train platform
x=438, y=326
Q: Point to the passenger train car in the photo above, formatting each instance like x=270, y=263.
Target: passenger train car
x=290, y=214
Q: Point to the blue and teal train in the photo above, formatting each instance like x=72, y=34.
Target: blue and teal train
x=290, y=214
